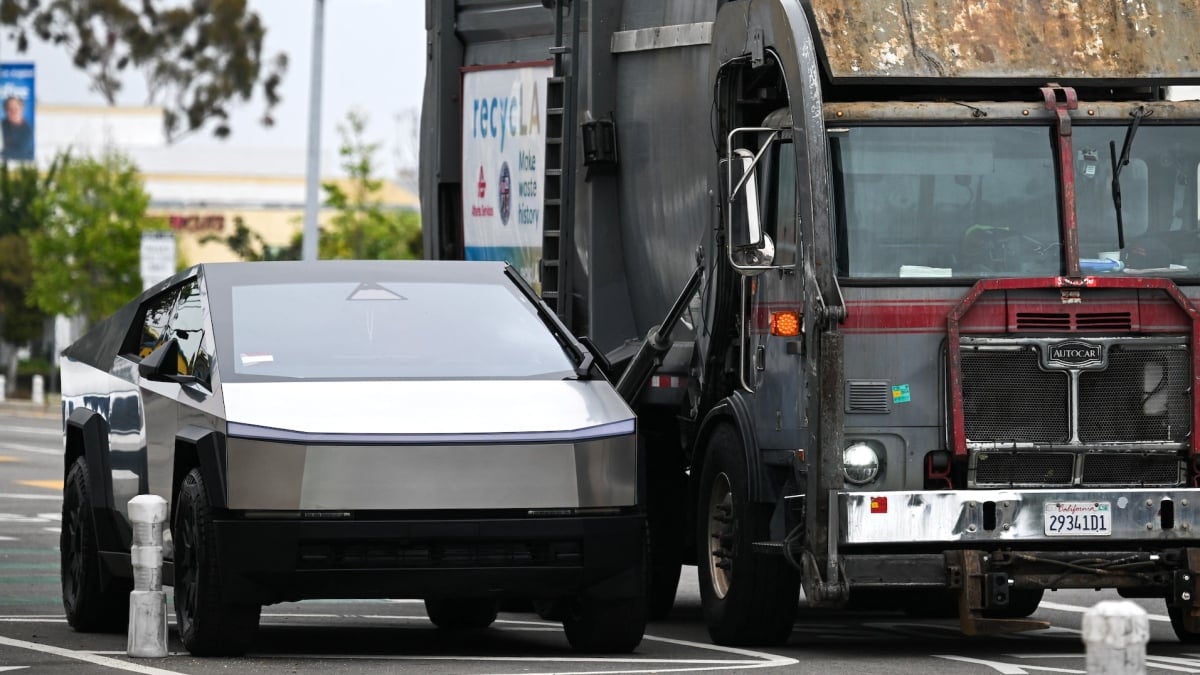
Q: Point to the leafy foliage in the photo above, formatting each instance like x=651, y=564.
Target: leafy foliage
x=250, y=246
x=86, y=251
x=197, y=56
x=362, y=229
x=21, y=212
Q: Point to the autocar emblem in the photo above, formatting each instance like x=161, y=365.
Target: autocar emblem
x=1075, y=354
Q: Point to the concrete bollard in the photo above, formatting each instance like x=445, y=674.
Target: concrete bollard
x=3, y=388
x=147, y=601
x=1116, y=633
x=39, y=390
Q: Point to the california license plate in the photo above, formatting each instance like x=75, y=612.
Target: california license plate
x=1075, y=519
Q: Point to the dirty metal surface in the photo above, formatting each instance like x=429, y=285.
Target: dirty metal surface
x=1040, y=40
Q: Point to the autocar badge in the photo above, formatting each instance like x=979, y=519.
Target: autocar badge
x=1075, y=354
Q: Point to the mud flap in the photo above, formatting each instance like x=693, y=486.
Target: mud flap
x=980, y=590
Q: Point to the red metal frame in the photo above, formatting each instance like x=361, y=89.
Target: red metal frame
x=1066, y=167
x=953, y=332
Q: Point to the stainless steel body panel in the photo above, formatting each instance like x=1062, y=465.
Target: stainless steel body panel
x=950, y=516
x=283, y=476
x=411, y=407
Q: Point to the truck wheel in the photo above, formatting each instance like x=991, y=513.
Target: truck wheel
x=461, y=613
x=93, y=600
x=665, y=516
x=1021, y=603
x=207, y=625
x=748, y=599
x=1185, y=636
x=609, y=626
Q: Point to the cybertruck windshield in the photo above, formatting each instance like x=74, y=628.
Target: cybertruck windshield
x=982, y=201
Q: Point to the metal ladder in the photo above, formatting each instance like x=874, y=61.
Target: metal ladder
x=558, y=216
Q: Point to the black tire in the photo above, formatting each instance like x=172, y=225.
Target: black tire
x=461, y=613
x=666, y=516
x=1021, y=603
x=748, y=599
x=1175, y=612
x=207, y=625
x=93, y=600
x=606, y=626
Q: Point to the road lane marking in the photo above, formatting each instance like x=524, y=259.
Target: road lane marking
x=47, y=484
x=9, y=458
x=3, y=538
x=1083, y=610
x=15, y=495
x=86, y=657
x=8, y=447
x=35, y=430
x=1006, y=668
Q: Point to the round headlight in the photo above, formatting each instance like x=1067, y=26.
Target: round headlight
x=860, y=463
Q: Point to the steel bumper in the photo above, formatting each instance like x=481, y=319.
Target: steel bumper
x=1167, y=516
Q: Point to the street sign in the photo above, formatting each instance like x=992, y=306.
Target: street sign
x=158, y=257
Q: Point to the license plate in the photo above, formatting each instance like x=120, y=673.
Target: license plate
x=1075, y=519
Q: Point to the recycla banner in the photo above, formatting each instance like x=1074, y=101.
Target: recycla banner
x=504, y=148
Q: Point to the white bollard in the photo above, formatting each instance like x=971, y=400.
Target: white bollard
x=39, y=390
x=1116, y=633
x=147, y=601
x=3, y=388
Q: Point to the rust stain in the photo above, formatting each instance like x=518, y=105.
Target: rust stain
x=1034, y=39
x=47, y=484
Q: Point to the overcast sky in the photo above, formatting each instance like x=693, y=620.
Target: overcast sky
x=374, y=59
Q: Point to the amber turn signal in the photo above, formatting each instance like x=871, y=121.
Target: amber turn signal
x=785, y=324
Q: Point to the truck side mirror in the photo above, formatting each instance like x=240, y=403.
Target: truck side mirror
x=751, y=250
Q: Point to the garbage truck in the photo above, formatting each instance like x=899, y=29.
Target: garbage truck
x=903, y=292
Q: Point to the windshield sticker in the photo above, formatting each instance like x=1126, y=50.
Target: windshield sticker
x=255, y=358
x=900, y=394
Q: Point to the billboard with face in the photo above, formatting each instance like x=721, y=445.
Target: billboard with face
x=17, y=94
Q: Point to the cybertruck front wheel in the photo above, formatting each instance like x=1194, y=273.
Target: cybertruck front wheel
x=208, y=626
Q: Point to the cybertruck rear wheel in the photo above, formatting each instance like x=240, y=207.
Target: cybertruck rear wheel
x=748, y=599
x=208, y=626
x=93, y=600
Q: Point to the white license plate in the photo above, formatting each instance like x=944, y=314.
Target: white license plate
x=1075, y=519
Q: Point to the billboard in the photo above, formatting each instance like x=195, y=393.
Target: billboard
x=504, y=150
x=17, y=93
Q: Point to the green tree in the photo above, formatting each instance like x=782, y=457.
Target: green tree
x=86, y=253
x=362, y=228
x=198, y=57
x=251, y=247
x=21, y=212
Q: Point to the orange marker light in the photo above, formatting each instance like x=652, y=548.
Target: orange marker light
x=785, y=324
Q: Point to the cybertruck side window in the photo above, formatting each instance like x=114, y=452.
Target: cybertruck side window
x=147, y=332
x=187, y=328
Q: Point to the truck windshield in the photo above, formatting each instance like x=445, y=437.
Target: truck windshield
x=981, y=201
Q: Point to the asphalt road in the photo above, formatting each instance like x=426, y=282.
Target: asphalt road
x=389, y=636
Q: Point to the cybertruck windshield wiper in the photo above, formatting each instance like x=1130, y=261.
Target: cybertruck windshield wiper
x=1118, y=164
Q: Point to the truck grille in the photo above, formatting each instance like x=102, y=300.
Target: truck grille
x=1142, y=396
x=1021, y=428
x=1007, y=397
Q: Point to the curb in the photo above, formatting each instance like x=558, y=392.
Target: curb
x=24, y=408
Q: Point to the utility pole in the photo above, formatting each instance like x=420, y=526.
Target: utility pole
x=312, y=184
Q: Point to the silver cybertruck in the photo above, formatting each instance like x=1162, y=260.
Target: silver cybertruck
x=351, y=430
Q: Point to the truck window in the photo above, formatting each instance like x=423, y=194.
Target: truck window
x=947, y=201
